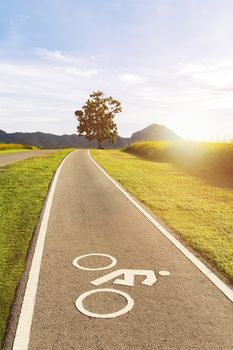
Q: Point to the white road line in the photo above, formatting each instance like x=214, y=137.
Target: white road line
x=228, y=292
x=22, y=336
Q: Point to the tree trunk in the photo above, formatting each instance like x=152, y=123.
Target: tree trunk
x=100, y=145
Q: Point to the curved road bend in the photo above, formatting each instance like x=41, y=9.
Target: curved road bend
x=90, y=215
x=6, y=159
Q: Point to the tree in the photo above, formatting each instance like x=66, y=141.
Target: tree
x=96, y=118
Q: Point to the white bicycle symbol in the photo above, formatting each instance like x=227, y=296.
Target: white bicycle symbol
x=128, y=280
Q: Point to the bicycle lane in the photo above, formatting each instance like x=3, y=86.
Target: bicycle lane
x=183, y=310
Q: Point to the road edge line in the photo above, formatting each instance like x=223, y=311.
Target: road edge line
x=228, y=292
x=22, y=335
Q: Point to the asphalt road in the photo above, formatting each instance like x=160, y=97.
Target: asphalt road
x=6, y=159
x=90, y=215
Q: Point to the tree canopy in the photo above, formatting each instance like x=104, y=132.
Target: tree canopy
x=96, y=118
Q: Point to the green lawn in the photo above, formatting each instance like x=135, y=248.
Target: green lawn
x=200, y=212
x=7, y=151
x=23, y=188
x=15, y=147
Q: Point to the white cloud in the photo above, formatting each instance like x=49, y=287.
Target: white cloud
x=44, y=92
x=219, y=76
x=35, y=120
x=40, y=91
x=150, y=94
x=56, y=55
x=73, y=71
x=130, y=78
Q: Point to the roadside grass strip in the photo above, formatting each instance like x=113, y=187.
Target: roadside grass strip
x=23, y=189
x=199, y=212
x=6, y=148
x=9, y=151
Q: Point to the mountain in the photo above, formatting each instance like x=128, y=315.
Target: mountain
x=44, y=140
x=153, y=132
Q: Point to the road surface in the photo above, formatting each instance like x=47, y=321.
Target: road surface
x=183, y=310
x=6, y=159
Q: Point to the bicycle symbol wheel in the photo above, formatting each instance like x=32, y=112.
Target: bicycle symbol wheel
x=127, y=308
x=113, y=263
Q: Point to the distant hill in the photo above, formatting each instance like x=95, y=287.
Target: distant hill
x=44, y=140
x=153, y=132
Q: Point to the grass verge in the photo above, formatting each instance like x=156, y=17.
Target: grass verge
x=9, y=151
x=14, y=147
x=23, y=189
x=202, y=214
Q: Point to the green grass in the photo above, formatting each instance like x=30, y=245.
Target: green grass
x=9, y=151
x=14, y=147
x=23, y=188
x=200, y=212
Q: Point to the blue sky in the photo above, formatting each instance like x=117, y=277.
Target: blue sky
x=168, y=61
